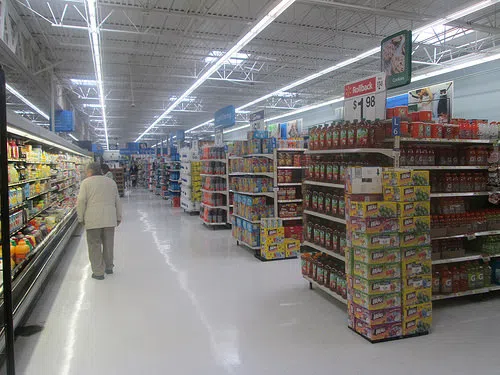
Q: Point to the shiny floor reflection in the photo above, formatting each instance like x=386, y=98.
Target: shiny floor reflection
x=185, y=300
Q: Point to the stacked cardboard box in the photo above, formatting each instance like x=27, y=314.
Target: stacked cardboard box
x=388, y=262
x=274, y=244
x=411, y=191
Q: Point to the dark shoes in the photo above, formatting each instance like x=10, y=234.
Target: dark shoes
x=98, y=277
x=109, y=272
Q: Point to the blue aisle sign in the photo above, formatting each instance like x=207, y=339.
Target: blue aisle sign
x=225, y=117
x=396, y=126
x=64, y=122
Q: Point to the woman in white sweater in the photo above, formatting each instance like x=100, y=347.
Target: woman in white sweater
x=100, y=211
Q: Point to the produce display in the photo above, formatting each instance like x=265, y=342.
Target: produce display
x=388, y=257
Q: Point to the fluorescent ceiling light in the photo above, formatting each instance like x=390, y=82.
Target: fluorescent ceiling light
x=238, y=128
x=438, y=34
x=186, y=99
x=449, y=18
x=306, y=108
x=83, y=82
x=92, y=105
x=96, y=55
x=452, y=68
x=22, y=133
x=247, y=38
x=72, y=136
x=23, y=112
x=235, y=59
x=26, y=101
x=199, y=126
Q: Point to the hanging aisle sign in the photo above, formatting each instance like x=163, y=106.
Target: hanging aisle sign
x=395, y=56
x=257, y=120
x=225, y=117
x=365, y=99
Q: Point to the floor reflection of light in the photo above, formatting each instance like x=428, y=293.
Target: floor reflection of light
x=222, y=342
x=69, y=350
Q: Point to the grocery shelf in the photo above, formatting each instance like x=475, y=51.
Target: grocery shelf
x=469, y=235
x=291, y=167
x=464, y=194
x=266, y=194
x=326, y=217
x=290, y=184
x=326, y=184
x=29, y=181
x=446, y=167
x=291, y=218
x=437, y=297
x=212, y=224
x=247, y=245
x=38, y=195
x=246, y=219
x=235, y=157
x=323, y=250
x=459, y=259
x=384, y=151
x=219, y=160
x=16, y=207
x=214, y=191
x=213, y=175
x=291, y=149
x=213, y=207
x=173, y=170
x=270, y=156
x=326, y=290
x=67, y=187
x=12, y=232
x=174, y=191
x=265, y=174
x=442, y=140
x=289, y=200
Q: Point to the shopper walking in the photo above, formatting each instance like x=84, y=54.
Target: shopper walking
x=107, y=172
x=100, y=210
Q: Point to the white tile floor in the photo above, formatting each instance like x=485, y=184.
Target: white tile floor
x=186, y=300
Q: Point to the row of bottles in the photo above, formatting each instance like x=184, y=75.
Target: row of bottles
x=461, y=278
x=340, y=135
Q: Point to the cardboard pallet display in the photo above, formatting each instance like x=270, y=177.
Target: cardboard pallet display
x=388, y=260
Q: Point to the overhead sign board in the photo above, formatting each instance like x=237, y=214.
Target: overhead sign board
x=365, y=99
x=396, y=59
x=225, y=117
x=257, y=120
x=64, y=121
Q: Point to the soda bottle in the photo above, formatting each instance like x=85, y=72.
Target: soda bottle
x=455, y=274
x=464, y=278
x=343, y=135
x=329, y=137
x=352, y=134
x=436, y=282
x=446, y=281
x=336, y=136
x=479, y=276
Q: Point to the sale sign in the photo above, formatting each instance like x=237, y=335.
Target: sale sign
x=365, y=99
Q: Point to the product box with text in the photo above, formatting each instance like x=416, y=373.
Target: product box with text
x=379, y=256
x=378, y=332
x=412, y=268
x=407, y=193
x=395, y=177
x=376, y=302
x=411, y=297
x=410, y=209
x=376, y=317
x=374, y=209
x=415, y=224
x=375, y=241
x=372, y=287
x=414, y=240
x=415, y=254
x=377, y=271
x=374, y=225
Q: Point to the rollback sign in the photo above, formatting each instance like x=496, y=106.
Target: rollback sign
x=365, y=99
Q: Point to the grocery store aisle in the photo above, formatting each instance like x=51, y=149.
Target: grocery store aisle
x=186, y=300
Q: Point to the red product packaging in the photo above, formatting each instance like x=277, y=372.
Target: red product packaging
x=414, y=116
x=401, y=111
x=417, y=130
x=437, y=131
x=425, y=116
x=390, y=113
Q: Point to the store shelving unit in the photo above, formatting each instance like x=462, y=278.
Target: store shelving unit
x=55, y=203
x=339, y=188
x=190, y=181
x=209, y=209
x=470, y=196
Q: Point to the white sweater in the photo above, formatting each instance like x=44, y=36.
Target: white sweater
x=99, y=204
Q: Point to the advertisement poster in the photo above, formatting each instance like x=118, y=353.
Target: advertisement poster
x=396, y=59
x=435, y=98
x=257, y=120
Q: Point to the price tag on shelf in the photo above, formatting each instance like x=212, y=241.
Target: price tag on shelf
x=365, y=99
x=471, y=236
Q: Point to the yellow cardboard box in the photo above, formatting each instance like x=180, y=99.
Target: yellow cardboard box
x=376, y=302
x=412, y=297
x=417, y=267
x=415, y=224
x=375, y=241
x=416, y=326
x=373, y=209
x=410, y=209
x=378, y=256
x=413, y=254
x=414, y=240
x=377, y=271
x=371, y=287
x=404, y=177
x=407, y=193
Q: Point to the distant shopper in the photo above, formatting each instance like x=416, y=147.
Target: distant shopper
x=107, y=172
x=133, y=174
x=100, y=210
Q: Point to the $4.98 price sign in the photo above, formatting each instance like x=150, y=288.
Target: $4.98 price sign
x=365, y=99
